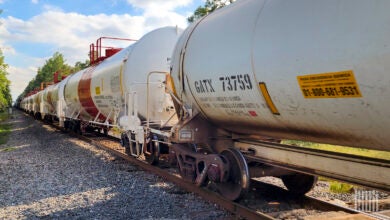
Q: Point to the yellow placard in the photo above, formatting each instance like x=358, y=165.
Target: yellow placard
x=97, y=90
x=329, y=85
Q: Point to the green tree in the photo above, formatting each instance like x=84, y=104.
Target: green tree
x=5, y=92
x=79, y=66
x=209, y=6
x=46, y=72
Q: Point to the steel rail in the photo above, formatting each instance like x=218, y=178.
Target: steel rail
x=322, y=203
x=239, y=210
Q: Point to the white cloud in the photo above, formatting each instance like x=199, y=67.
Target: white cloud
x=159, y=4
x=71, y=34
x=35, y=1
x=159, y=13
x=48, y=7
x=19, y=78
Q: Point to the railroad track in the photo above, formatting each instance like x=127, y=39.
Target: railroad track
x=240, y=209
x=244, y=209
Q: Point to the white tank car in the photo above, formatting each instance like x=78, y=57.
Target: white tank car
x=27, y=104
x=58, y=97
x=307, y=70
x=30, y=104
x=73, y=107
x=48, y=104
x=151, y=53
x=37, y=99
x=91, y=94
x=100, y=93
x=24, y=103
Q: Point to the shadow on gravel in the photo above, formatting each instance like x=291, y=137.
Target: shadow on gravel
x=56, y=176
x=270, y=198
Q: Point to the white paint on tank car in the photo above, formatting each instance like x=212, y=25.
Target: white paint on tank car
x=30, y=103
x=106, y=88
x=61, y=104
x=241, y=67
x=27, y=103
x=151, y=53
x=37, y=99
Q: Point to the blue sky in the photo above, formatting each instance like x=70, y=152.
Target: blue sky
x=31, y=31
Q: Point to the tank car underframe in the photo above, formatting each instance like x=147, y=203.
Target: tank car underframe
x=205, y=154
x=133, y=146
x=297, y=167
x=75, y=122
x=154, y=143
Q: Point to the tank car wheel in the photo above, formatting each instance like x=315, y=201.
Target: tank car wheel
x=238, y=180
x=153, y=154
x=299, y=184
x=72, y=126
x=78, y=129
x=125, y=143
x=66, y=125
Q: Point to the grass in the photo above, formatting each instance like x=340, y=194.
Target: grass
x=341, y=149
x=339, y=187
x=5, y=128
x=8, y=149
x=116, y=131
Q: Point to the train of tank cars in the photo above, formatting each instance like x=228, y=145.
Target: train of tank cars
x=254, y=70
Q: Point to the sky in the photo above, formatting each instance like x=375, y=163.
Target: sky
x=31, y=31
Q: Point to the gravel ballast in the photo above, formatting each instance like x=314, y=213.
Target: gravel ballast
x=48, y=174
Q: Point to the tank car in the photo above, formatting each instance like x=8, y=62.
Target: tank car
x=302, y=70
x=58, y=99
x=36, y=100
x=48, y=109
x=24, y=104
x=30, y=103
x=126, y=90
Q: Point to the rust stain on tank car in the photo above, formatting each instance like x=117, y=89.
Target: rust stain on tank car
x=84, y=91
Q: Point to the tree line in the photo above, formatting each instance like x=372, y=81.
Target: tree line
x=207, y=8
x=5, y=92
x=45, y=74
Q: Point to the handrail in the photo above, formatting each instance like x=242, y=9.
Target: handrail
x=147, y=93
x=95, y=51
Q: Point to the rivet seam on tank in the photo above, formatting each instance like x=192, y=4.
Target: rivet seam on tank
x=121, y=79
x=268, y=100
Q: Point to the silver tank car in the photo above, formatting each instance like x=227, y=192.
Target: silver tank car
x=306, y=70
